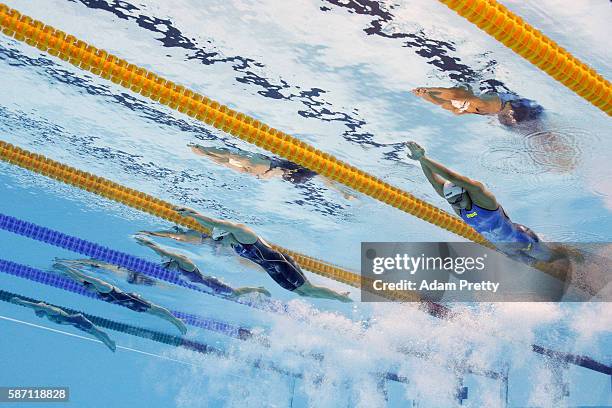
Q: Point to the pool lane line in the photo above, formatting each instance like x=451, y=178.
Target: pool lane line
x=99, y=62
x=61, y=282
x=142, y=332
x=65, y=333
x=244, y=334
x=122, y=259
x=156, y=336
x=138, y=200
x=528, y=42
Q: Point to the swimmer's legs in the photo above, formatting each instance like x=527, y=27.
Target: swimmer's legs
x=166, y=315
x=103, y=337
x=310, y=290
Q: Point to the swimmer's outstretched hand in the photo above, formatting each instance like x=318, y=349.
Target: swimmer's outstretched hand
x=419, y=91
x=185, y=211
x=141, y=240
x=416, y=151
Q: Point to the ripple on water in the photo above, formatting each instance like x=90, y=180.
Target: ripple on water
x=561, y=233
x=539, y=155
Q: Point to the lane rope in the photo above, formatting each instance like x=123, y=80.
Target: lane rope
x=512, y=31
x=121, y=259
x=61, y=282
x=108, y=66
x=153, y=335
x=86, y=181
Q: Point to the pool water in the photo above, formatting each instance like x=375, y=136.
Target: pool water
x=336, y=75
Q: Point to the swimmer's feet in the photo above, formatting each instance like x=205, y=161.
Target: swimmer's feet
x=104, y=338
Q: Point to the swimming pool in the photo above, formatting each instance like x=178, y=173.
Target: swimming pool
x=334, y=74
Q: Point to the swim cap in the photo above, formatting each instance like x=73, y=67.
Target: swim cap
x=217, y=234
x=451, y=190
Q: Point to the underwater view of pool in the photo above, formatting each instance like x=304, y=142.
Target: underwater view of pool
x=337, y=75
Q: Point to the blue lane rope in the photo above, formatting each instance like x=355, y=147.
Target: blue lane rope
x=159, y=337
x=127, y=328
x=69, y=285
x=127, y=261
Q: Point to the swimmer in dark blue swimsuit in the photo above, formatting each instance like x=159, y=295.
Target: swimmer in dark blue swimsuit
x=509, y=108
x=188, y=270
x=58, y=316
x=281, y=267
x=111, y=294
x=478, y=207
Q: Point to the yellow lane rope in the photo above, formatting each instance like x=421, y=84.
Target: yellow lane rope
x=148, y=84
x=147, y=203
x=509, y=29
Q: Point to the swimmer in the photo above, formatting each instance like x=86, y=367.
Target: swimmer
x=264, y=167
x=176, y=233
x=478, y=207
x=189, y=270
x=111, y=294
x=509, y=108
x=58, y=316
x=281, y=267
x=131, y=277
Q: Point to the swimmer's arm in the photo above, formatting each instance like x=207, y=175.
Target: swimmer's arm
x=40, y=306
x=436, y=181
x=184, y=262
x=441, y=95
x=242, y=233
x=478, y=192
x=26, y=303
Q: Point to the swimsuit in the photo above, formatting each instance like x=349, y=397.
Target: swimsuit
x=292, y=172
x=522, y=109
x=77, y=320
x=282, y=268
x=461, y=106
x=497, y=227
x=197, y=277
x=130, y=300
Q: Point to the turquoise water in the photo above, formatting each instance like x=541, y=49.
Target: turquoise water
x=335, y=74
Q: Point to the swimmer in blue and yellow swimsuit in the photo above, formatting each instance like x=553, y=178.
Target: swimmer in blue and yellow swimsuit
x=59, y=316
x=510, y=108
x=478, y=207
x=280, y=266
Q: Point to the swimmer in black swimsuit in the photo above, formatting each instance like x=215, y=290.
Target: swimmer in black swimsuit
x=509, y=108
x=58, y=316
x=190, y=271
x=111, y=294
x=281, y=267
